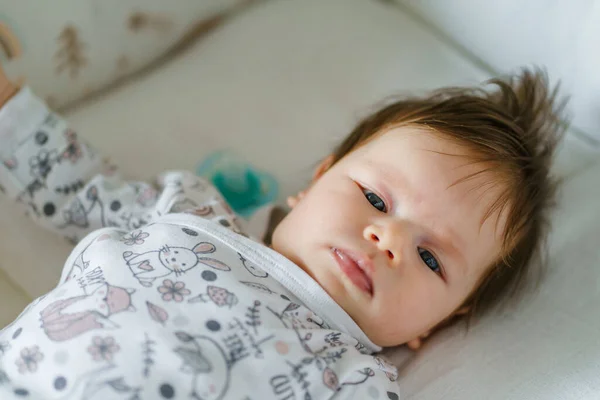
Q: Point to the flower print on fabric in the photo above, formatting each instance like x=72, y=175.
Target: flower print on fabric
x=41, y=164
x=173, y=291
x=135, y=238
x=103, y=349
x=28, y=359
x=73, y=152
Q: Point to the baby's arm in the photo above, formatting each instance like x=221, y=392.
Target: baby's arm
x=66, y=186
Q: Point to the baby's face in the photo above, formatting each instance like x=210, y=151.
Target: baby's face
x=390, y=239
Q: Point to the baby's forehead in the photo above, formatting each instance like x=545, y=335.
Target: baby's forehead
x=419, y=140
x=442, y=175
x=412, y=150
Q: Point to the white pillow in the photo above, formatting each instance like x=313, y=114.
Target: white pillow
x=560, y=35
x=72, y=48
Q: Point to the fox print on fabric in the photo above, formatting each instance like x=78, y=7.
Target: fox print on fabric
x=68, y=318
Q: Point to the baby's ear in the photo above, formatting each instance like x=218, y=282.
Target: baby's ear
x=292, y=201
x=416, y=343
x=323, y=166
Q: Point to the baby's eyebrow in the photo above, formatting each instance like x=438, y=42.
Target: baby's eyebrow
x=392, y=177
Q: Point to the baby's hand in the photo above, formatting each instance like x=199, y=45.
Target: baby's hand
x=7, y=89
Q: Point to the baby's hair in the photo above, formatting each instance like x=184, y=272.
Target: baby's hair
x=512, y=130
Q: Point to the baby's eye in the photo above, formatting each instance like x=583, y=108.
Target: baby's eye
x=430, y=261
x=375, y=200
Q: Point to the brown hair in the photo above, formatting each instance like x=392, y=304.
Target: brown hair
x=513, y=131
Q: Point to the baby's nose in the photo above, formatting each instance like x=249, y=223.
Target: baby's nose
x=382, y=241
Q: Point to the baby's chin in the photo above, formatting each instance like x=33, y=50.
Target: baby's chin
x=380, y=333
x=384, y=340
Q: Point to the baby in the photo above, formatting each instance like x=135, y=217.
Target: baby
x=430, y=211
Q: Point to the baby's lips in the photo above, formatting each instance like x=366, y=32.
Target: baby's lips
x=364, y=262
x=361, y=262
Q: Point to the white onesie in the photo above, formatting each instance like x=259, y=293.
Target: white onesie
x=166, y=298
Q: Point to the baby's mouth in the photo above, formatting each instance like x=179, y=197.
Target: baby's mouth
x=356, y=267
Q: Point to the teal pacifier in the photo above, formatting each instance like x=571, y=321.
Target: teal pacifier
x=244, y=188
